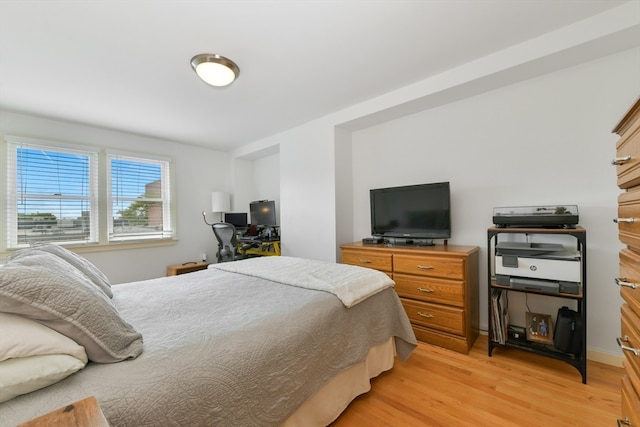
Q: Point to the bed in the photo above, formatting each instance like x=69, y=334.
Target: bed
x=263, y=342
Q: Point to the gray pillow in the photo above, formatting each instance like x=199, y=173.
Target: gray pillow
x=87, y=268
x=43, y=287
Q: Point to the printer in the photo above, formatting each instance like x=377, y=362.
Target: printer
x=546, y=267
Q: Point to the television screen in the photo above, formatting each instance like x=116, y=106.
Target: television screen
x=263, y=212
x=412, y=212
x=238, y=219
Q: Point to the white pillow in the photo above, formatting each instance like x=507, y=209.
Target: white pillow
x=27, y=374
x=22, y=337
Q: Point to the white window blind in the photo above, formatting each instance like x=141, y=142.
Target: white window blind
x=51, y=193
x=140, y=198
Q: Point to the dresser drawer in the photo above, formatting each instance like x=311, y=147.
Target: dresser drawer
x=448, y=268
x=630, y=274
x=441, y=291
x=629, y=145
x=630, y=403
x=442, y=318
x=457, y=343
x=631, y=336
x=634, y=379
x=629, y=218
x=378, y=261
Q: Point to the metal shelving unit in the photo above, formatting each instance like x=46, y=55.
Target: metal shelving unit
x=579, y=361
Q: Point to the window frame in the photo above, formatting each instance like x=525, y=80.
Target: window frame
x=100, y=195
x=165, y=195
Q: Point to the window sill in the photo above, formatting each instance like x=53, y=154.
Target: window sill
x=114, y=246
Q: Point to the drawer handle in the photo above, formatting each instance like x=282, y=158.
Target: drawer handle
x=623, y=282
x=425, y=267
x=625, y=422
x=620, y=160
x=624, y=347
x=425, y=290
x=428, y=316
x=627, y=220
x=364, y=261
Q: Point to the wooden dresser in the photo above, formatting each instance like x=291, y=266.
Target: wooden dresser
x=438, y=287
x=627, y=163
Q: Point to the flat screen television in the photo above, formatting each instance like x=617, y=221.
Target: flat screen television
x=412, y=212
x=263, y=212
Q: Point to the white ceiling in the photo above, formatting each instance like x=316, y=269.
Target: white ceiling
x=125, y=64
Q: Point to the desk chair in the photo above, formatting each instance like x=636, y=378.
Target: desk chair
x=228, y=247
x=227, y=242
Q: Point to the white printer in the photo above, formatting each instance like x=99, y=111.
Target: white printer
x=545, y=267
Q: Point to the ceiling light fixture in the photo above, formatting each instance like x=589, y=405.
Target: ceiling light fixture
x=214, y=69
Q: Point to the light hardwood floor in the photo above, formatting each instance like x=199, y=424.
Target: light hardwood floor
x=438, y=387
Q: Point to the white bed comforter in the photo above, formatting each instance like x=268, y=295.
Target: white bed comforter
x=224, y=349
x=351, y=284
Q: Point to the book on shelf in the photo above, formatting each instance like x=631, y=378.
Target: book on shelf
x=499, y=315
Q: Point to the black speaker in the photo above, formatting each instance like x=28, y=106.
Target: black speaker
x=568, y=334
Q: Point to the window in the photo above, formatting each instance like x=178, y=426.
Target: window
x=139, y=199
x=53, y=195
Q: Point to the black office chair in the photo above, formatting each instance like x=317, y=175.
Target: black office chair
x=227, y=242
x=226, y=235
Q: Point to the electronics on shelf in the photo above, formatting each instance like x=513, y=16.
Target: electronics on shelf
x=372, y=240
x=557, y=265
x=547, y=267
x=557, y=216
x=396, y=241
x=550, y=286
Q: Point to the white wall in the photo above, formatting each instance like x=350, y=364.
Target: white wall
x=524, y=106
x=266, y=181
x=344, y=186
x=243, y=185
x=544, y=141
x=255, y=179
x=307, y=192
x=198, y=171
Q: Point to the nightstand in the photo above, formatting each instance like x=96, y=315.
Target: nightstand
x=187, y=267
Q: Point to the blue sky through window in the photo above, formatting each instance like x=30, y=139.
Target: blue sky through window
x=59, y=182
x=129, y=179
x=52, y=173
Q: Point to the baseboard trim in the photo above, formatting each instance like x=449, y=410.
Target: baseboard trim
x=606, y=358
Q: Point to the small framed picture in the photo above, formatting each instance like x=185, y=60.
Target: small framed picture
x=539, y=328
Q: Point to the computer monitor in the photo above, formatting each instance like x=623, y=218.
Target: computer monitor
x=263, y=212
x=238, y=219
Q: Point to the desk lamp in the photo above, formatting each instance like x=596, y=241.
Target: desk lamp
x=220, y=203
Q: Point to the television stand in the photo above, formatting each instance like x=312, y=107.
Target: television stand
x=437, y=285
